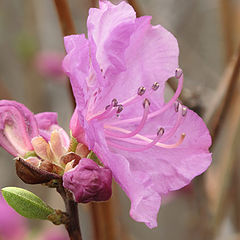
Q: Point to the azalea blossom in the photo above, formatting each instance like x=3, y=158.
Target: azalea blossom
x=118, y=75
x=38, y=139
x=10, y=220
x=44, y=153
x=49, y=64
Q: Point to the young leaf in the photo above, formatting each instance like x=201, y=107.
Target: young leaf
x=26, y=203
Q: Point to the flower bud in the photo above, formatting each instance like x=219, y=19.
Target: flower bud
x=49, y=64
x=77, y=130
x=89, y=182
x=29, y=171
x=47, y=123
x=17, y=127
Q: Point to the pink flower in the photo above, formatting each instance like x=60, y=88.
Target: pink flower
x=118, y=76
x=37, y=140
x=53, y=233
x=17, y=128
x=89, y=182
x=49, y=64
x=20, y=128
x=12, y=225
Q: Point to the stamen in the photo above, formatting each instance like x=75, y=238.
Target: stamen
x=146, y=105
x=155, y=86
x=141, y=91
x=176, y=106
x=160, y=131
x=108, y=110
x=178, y=73
x=151, y=144
x=176, y=125
x=114, y=102
x=165, y=107
x=120, y=108
x=154, y=142
x=170, y=146
x=131, y=100
x=108, y=106
x=184, y=111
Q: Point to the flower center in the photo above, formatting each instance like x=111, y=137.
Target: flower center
x=133, y=141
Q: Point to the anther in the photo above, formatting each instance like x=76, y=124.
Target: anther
x=146, y=102
x=108, y=106
x=178, y=73
x=114, y=102
x=184, y=111
x=120, y=108
x=176, y=106
x=155, y=86
x=141, y=91
x=160, y=131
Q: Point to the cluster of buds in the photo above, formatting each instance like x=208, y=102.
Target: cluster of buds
x=43, y=151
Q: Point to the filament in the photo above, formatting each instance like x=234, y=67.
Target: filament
x=152, y=143
x=161, y=110
x=136, y=149
x=138, y=128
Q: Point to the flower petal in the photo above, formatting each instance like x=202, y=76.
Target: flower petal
x=132, y=49
x=47, y=123
x=77, y=130
x=145, y=202
x=147, y=175
x=76, y=66
x=17, y=127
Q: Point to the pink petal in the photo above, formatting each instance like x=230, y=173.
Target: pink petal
x=145, y=202
x=148, y=175
x=101, y=22
x=131, y=49
x=47, y=123
x=17, y=127
x=77, y=130
x=76, y=66
x=46, y=119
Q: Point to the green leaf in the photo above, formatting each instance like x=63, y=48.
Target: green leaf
x=26, y=203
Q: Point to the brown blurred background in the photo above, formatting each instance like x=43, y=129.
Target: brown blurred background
x=208, y=33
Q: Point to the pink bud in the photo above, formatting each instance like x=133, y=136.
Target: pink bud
x=47, y=123
x=17, y=127
x=77, y=130
x=89, y=182
x=49, y=64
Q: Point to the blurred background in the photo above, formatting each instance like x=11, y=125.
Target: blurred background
x=208, y=32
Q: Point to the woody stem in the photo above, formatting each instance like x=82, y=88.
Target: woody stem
x=72, y=226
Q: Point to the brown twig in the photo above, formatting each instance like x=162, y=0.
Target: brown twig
x=227, y=22
x=65, y=18
x=67, y=27
x=109, y=219
x=227, y=159
x=236, y=194
x=72, y=225
x=98, y=223
x=136, y=7
x=220, y=104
